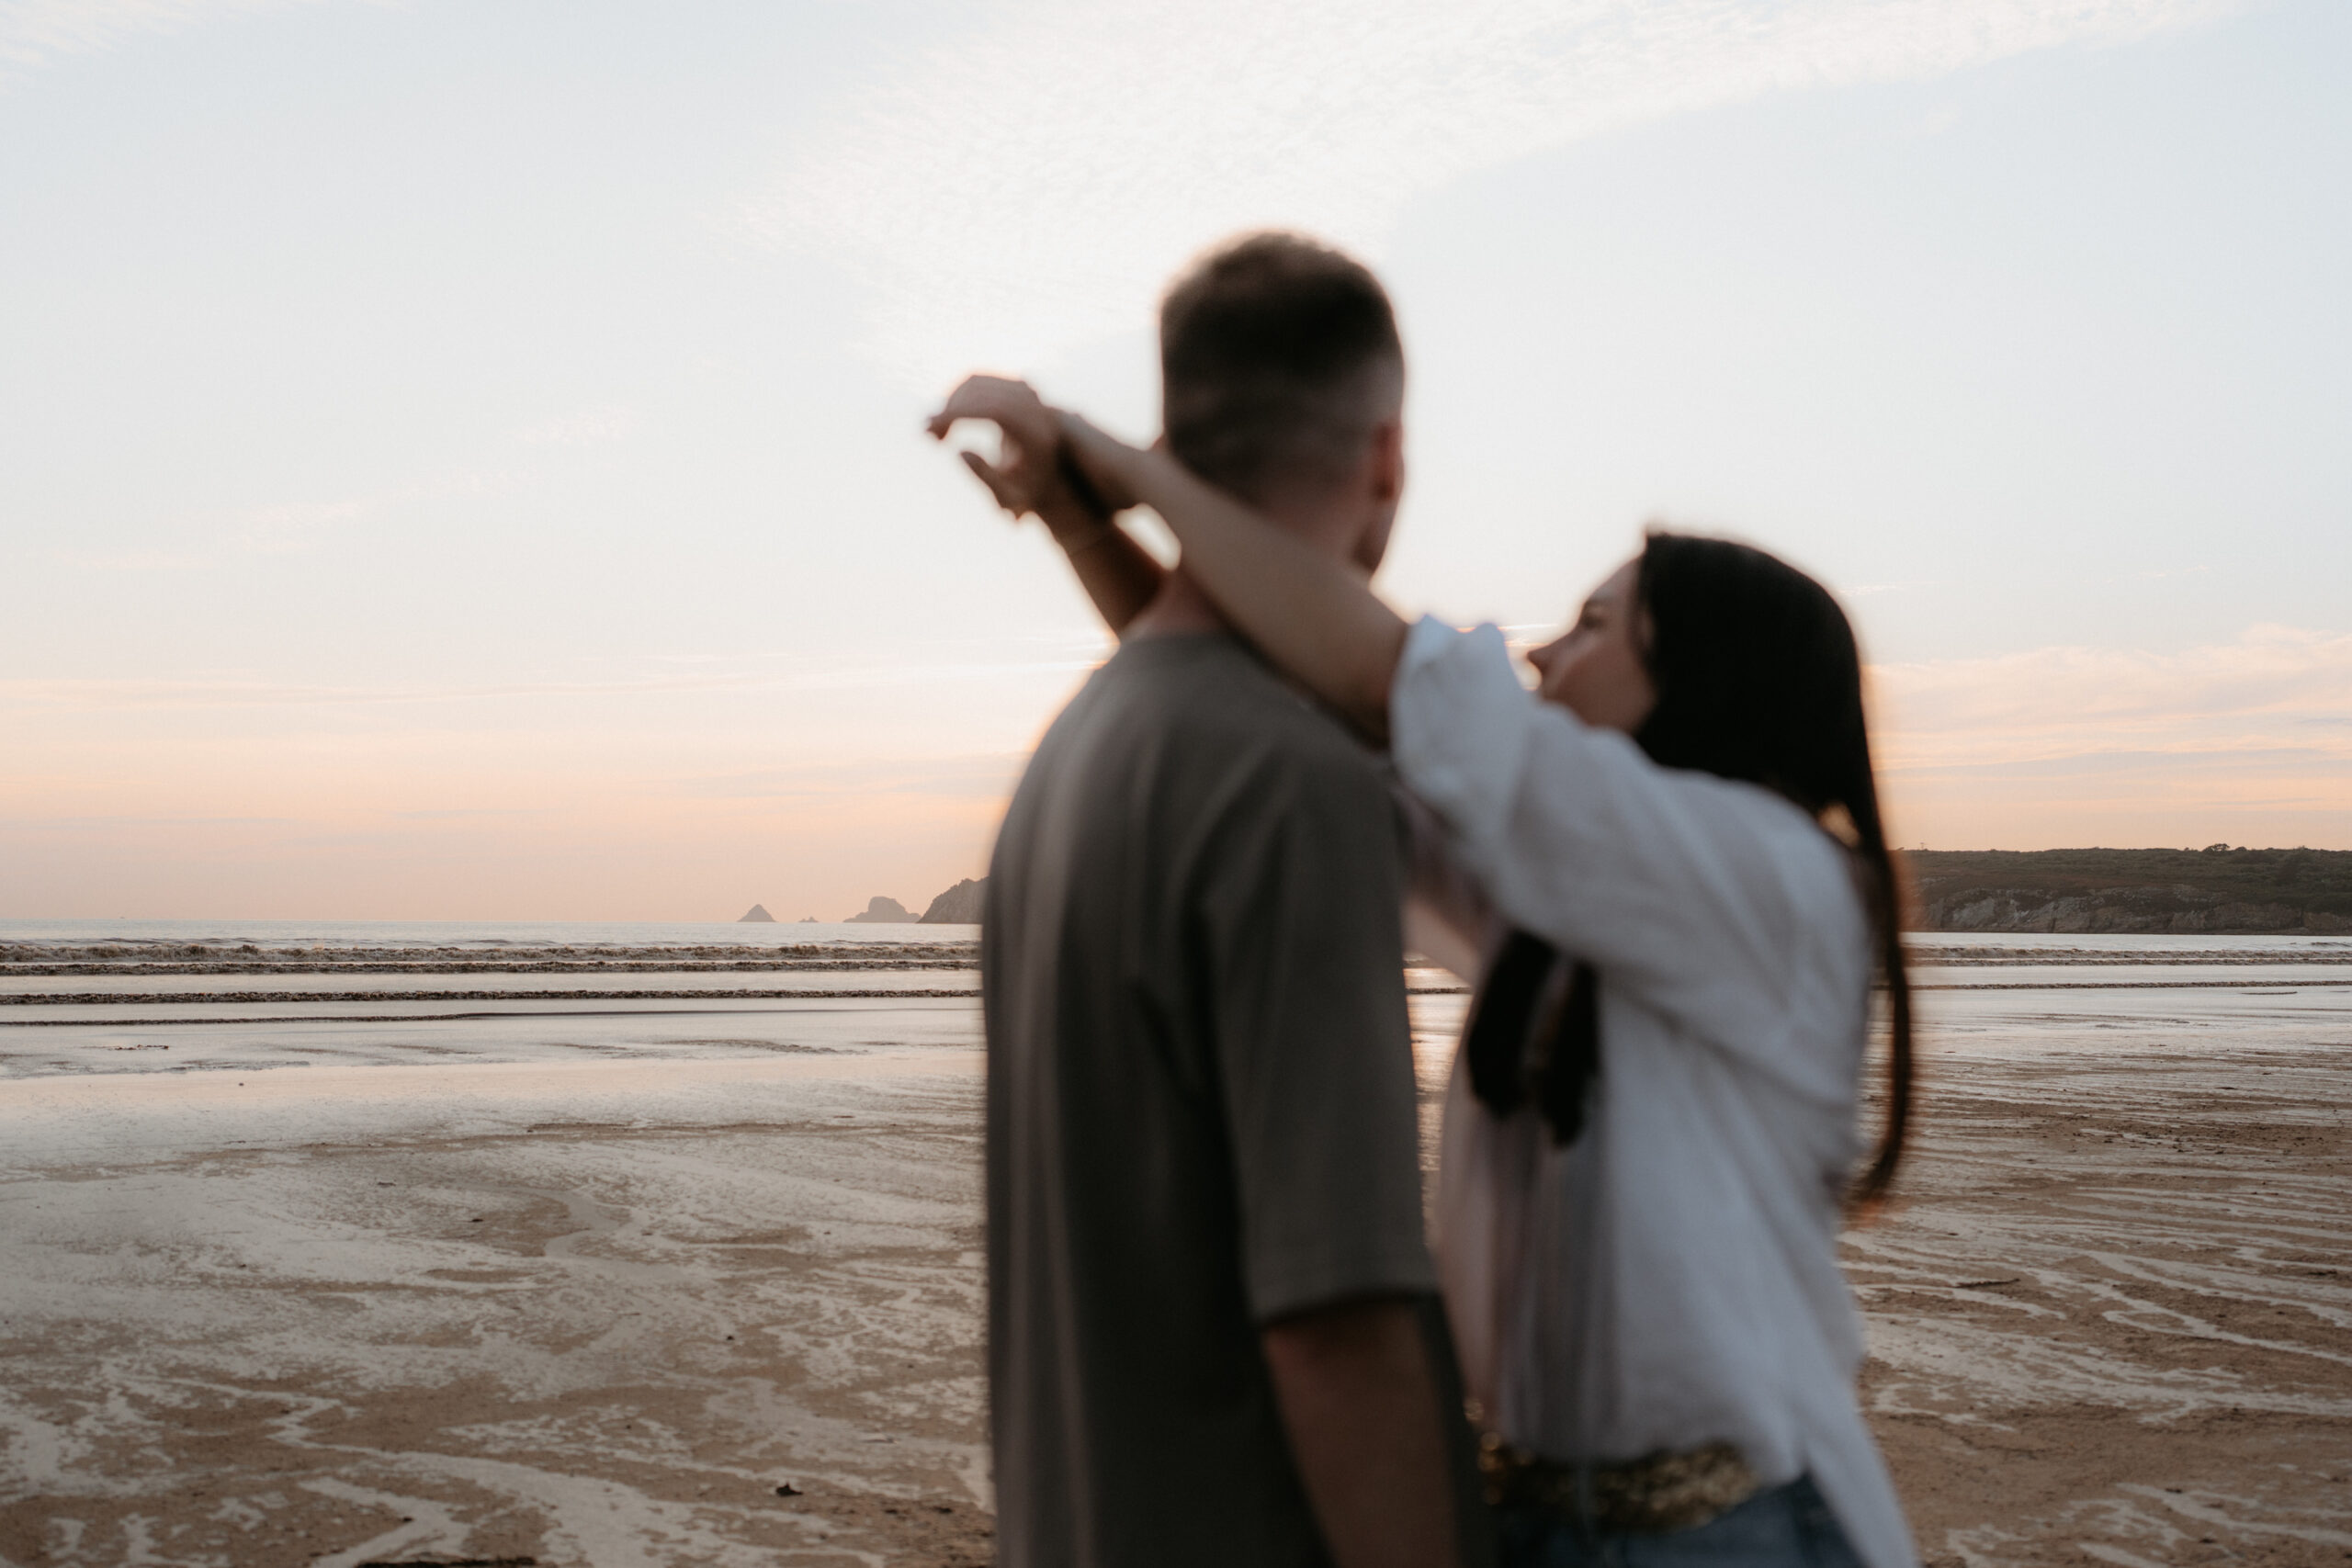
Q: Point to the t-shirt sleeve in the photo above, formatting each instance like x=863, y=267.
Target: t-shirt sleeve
x=1314, y=1053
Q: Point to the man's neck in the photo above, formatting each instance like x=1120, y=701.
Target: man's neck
x=1180, y=607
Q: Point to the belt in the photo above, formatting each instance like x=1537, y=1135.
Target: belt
x=1656, y=1495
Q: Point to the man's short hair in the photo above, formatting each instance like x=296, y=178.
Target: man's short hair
x=1278, y=357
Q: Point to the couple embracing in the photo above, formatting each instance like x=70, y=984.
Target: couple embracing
x=1217, y=1334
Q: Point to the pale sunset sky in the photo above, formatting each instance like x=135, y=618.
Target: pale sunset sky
x=462, y=460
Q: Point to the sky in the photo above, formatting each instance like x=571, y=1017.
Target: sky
x=462, y=461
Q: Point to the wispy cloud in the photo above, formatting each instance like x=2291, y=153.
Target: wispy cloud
x=35, y=32
x=982, y=776
x=2250, y=740
x=1031, y=185
x=131, y=559
x=291, y=528
x=216, y=537
x=592, y=427
x=2276, y=686
x=915, y=664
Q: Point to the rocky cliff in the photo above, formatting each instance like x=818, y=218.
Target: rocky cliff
x=882, y=911
x=2219, y=891
x=959, y=906
x=2216, y=891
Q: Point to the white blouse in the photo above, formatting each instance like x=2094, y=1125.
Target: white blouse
x=1670, y=1280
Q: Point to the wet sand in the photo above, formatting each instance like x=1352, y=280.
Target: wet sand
x=597, y=1304
x=2110, y=1322
x=569, y=1313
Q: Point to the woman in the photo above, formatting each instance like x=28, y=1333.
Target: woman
x=1651, y=1128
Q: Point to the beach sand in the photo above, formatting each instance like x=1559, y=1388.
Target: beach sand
x=600, y=1311
x=2109, y=1322
x=580, y=1314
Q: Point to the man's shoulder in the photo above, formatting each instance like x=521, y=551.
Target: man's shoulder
x=1211, y=696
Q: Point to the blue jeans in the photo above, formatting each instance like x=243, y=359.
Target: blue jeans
x=1785, y=1526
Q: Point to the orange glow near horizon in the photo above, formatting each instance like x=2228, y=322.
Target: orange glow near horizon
x=516, y=808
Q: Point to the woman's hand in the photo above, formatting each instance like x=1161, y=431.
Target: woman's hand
x=1037, y=473
x=1028, y=477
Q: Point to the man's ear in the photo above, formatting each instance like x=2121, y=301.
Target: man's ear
x=1387, y=475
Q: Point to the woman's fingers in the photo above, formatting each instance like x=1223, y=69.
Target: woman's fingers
x=1014, y=406
x=1014, y=497
x=1034, y=434
x=975, y=397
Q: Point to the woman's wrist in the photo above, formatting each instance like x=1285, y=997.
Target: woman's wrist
x=1076, y=542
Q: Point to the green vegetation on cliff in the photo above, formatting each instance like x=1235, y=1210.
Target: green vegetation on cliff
x=2218, y=890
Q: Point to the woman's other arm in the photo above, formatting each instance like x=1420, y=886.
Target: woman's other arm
x=1312, y=614
x=1035, y=475
x=1448, y=917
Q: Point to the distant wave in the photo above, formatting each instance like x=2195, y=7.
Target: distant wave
x=250, y=958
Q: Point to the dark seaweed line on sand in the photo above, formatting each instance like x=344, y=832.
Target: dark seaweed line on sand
x=226, y=953
x=2124, y=958
x=2319, y=982
x=491, y=966
x=423, y=1017
x=503, y=1012
x=252, y=998
x=263, y=998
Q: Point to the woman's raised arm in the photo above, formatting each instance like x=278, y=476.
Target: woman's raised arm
x=1313, y=615
x=1034, y=476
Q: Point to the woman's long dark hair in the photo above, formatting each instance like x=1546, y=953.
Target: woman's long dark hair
x=1757, y=679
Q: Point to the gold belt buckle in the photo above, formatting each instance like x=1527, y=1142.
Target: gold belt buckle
x=1656, y=1495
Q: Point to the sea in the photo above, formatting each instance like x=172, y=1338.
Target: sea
x=189, y=997
x=198, y=996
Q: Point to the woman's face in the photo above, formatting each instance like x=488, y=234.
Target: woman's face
x=1594, y=670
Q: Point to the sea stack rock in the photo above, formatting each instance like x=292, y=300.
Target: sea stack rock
x=959, y=906
x=757, y=915
x=883, y=912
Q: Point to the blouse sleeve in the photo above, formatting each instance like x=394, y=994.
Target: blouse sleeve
x=1719, y=903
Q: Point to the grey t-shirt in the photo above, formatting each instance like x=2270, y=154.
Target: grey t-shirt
x=1200, y=1104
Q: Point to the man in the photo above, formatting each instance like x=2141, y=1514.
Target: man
x=1208, y=1288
